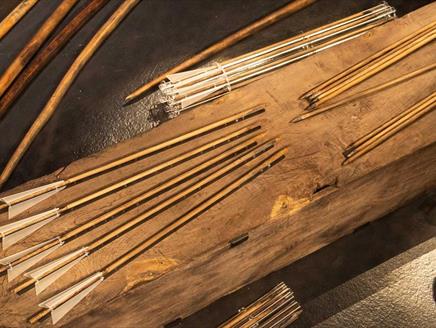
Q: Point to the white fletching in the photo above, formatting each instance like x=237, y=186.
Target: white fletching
x=29, y=225
x=11, y=258
x=15, y=270
x=18, y=269
x=43, y=282
x=62, y=303
x=20, y=202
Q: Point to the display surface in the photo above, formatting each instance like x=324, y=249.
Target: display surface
x=290, y=219
x=283, y=210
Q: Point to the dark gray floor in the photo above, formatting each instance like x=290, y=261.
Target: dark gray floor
x=156, y=35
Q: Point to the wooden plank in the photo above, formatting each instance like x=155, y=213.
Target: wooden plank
x=285, y=217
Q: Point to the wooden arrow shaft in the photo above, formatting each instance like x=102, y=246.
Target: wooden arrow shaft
x=379, y=54
x=394, y=128
x=169, y=143
x=376, y=68
x=422, y=103
x=366, y=92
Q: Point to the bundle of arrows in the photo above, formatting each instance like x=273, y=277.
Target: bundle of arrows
x=365, y=93
x=241, y=34
x=368, y=67
x=63, y=302
x=277, y=308
x=187, y=89
x=385, y=131
x=247, y=145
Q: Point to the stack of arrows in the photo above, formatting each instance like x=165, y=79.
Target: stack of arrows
x=277, y=308
x=367, y=92
x=243, y=146
x=190, y=88
x=385, y=131
x=369, y=67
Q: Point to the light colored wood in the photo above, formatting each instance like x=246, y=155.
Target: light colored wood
x=15, y=16
x=282, y=210
x=34, y=44
x=66, y=82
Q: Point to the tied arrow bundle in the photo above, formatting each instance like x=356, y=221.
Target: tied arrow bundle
x=187, y=89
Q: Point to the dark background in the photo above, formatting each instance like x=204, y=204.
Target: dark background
x=156, y=35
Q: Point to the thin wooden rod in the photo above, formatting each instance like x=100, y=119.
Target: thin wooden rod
x=34, y=44
x=369, y=59
x=262, y=23
x=43, y=57
x=388, y=133
x=49, y=109
x=371, y=71
x=385, y=125
x=252, y=307
x=15, y=16
x=365, y=93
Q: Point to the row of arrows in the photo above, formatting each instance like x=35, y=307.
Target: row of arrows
x=243, y=146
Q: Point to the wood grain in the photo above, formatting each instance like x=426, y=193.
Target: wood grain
x=283, y=211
